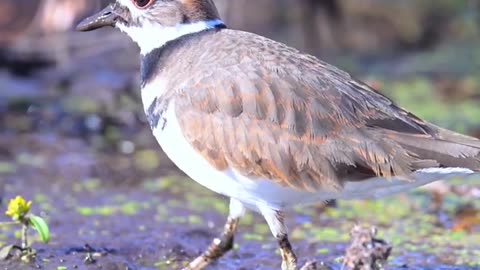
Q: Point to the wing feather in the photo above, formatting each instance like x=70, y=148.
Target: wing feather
x=275, y=113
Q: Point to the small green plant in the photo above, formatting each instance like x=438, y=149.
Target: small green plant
x=19, y=210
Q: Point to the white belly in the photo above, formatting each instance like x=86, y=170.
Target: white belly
x=264, y=192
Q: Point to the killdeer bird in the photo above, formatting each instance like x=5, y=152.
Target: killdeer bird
x=268, y=126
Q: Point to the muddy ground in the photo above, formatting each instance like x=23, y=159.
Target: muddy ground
x=162, y=221
x=82, y=152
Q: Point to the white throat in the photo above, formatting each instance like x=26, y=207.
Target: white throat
x=151, y=36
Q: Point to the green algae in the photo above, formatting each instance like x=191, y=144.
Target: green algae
x=329, y=235
x=298, y=234
x=128, y=208
x=170, y=263
x=101, y=210
x=202, y=203
x=261, y=228
x=32, y=160
x=157, y=185
x=89, y=185
x=131, y=208
x=40, y=198
x=247, y=219
x=81, y=105
x=323, y=251
x=178, y=219
x=253, y=237
x=147, y=160
x=7, y=167
x=195, y=220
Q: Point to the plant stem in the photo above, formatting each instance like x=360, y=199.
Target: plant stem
x=24, y=236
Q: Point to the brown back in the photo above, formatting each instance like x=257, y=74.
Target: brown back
x=264, y=109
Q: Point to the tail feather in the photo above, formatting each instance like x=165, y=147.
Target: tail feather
x=444, y=148
x=449, y=135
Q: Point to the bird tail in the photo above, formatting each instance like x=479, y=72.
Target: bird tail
x=442, y=149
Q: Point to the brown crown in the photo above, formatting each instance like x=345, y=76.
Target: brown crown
x=179, y=11
x=198, y=10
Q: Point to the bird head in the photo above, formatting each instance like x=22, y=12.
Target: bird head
x=152, y=23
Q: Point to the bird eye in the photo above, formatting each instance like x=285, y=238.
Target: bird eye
x=142, y=3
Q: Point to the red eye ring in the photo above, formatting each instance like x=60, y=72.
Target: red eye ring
x=142, y=3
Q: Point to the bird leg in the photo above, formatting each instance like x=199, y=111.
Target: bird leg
x=222, y=244
x=275, y=220
x=289, y=259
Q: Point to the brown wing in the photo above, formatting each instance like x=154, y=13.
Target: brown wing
x=275, y=113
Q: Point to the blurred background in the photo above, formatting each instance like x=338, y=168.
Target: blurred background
x=71, y=119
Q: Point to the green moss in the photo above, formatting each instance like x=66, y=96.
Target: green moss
x=156, y=185
x=253, y=237
x=18, y=234
x=323, y=251
x=7, y=167
x=195, y=220
x=128, y=208
x=178, y=219
x=202, y=203
x=247, y=219
x=261, y=228
x=298, y=234
x=90, y=185
x=36, y=161
x=40, y=198
x=147, y=160
x=169, y=263
x=329, y=235
x=81, y=105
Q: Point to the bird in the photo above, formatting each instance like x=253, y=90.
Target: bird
x=269, y=126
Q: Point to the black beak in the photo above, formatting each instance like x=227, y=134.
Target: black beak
x=107, y=17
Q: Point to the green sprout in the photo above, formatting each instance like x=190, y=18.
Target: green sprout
x=19, y=210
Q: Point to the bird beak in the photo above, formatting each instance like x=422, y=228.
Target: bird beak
x=107, y=17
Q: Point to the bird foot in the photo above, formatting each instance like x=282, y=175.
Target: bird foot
x=311, y=265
